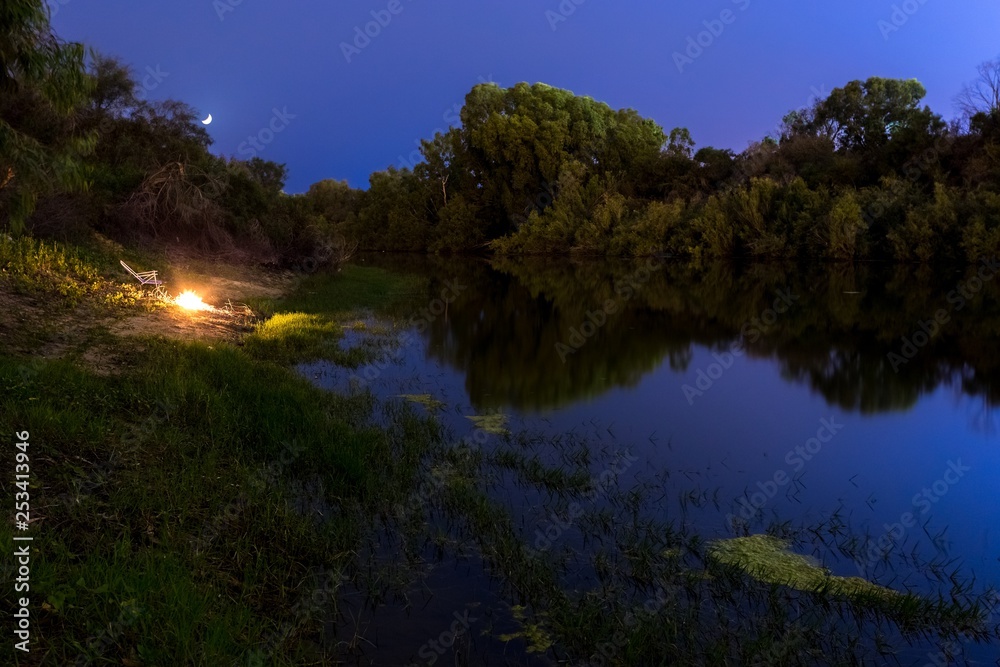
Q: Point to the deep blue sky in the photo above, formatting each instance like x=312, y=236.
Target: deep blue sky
x=358, y=117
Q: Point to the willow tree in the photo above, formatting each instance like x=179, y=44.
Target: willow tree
x=42, y=83
x=520, y=140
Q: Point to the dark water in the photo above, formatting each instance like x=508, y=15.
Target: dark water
x=792, y=393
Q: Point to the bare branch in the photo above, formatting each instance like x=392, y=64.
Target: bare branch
x=983, y=94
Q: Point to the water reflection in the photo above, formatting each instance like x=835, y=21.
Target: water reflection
x=537, y=334
x=825, y=358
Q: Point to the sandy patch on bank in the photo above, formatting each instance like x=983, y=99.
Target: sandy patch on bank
x=29, y=328
x=232, y=283
x=231, y=317
x=182, y=325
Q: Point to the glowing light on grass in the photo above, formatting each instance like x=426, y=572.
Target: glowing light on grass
x=191, y=301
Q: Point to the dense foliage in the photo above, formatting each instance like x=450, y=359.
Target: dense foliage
x=41, y=84
x=81, y=148
x=866, y=172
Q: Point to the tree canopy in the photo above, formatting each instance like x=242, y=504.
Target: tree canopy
x=82, y=147
x=865, y=172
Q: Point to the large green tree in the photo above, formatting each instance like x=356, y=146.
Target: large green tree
x=866, y=172
x=521, y=139
x=864, y=115
x=517, y=154
x=335, y=200
x=876, y=127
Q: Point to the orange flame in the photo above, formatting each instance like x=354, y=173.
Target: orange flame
x=191, y=301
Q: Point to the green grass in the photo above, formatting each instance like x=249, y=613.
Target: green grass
x=290, y=337
x=354, y=288
x=175, y=524
x=430, y=403
x=170, y=488
x=495, y=424
x=202, y=504
x=63, y=275
x=767, y=559
x=653, y=591
x=309, y=324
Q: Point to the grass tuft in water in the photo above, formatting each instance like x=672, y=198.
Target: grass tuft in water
x=768, y=559
x=494, y=424
x=426, y=400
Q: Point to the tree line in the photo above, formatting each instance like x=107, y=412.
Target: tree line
x=867, y=172
x=864, y=173
x=81, y=148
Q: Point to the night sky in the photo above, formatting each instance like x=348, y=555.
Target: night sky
x=241, y=60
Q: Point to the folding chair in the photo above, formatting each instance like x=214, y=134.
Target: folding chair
x=145, y=278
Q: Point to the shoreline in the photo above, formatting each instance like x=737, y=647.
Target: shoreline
x=213, y=464
x=172, y=444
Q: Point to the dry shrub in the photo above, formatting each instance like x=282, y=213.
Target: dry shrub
x=172, y=205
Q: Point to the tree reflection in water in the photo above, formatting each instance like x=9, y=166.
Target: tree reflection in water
x=503, y=330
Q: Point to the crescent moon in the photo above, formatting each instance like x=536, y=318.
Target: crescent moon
x=207, y=121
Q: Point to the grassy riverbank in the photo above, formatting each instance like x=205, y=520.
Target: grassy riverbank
x=186, y=496
x=195, y=500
